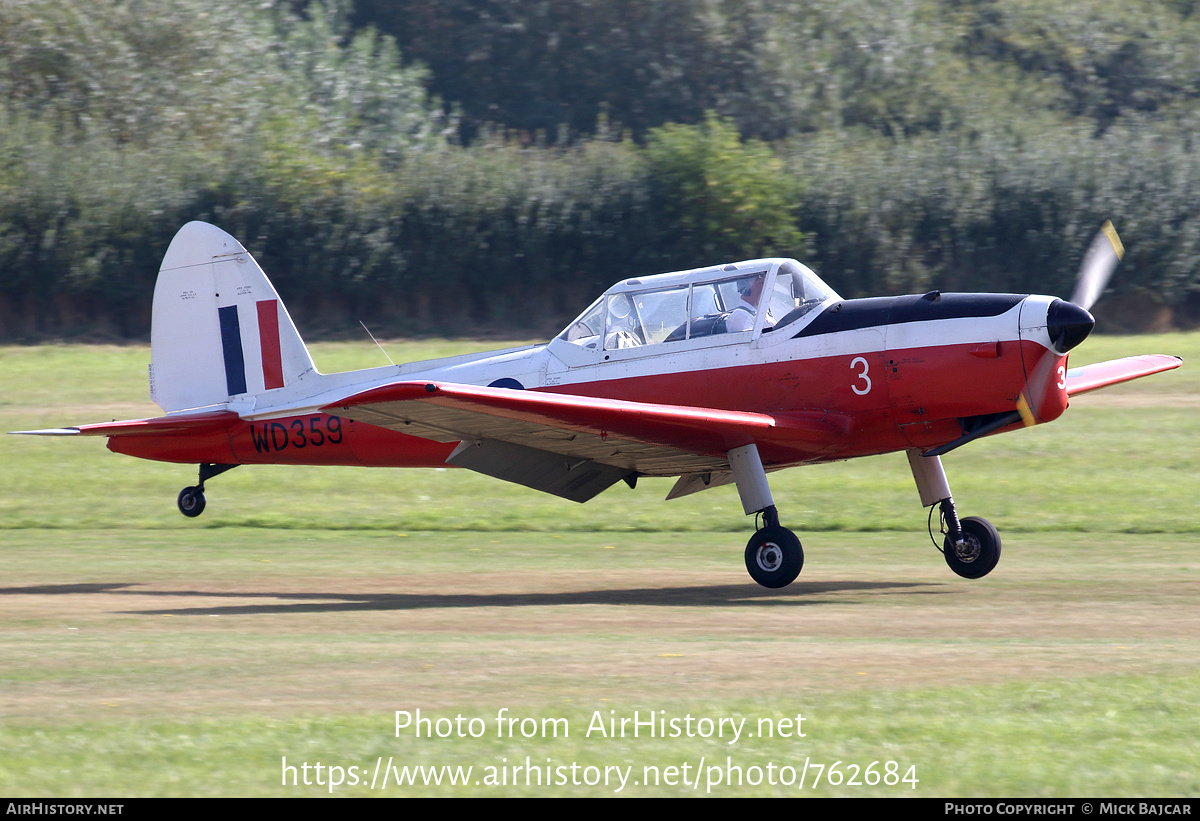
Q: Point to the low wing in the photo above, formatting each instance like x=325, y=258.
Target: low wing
x=576, y=446
x=183, y=423
x=1115, y=371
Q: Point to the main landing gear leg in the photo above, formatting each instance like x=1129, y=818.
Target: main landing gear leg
x=773, y=555
x=191, y=499
x=972, y=545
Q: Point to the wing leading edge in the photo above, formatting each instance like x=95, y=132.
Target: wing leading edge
x=577, y=446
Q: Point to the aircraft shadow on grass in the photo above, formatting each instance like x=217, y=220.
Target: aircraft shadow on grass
x=724, y=595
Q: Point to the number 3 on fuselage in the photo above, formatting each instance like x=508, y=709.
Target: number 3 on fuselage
x=862, y=387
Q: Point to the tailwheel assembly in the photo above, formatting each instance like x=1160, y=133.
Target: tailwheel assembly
x=191, y=499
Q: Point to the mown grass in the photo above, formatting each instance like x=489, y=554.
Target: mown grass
x=144, y=654
x=1051, y=477
x=155, y=667
x=1085, y=738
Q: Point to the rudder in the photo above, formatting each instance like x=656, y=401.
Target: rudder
x=219, y=330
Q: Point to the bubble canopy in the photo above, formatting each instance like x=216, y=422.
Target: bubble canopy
x=739, y=300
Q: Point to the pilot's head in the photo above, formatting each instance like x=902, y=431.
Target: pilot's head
x=751, y=286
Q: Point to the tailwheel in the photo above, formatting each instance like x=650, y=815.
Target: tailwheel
x=191, y=502
x=978, y=552
x=191, y=499
x=774, y=556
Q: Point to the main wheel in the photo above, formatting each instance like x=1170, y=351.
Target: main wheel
x=774, y=557
x=979, y=552
x=191, y=502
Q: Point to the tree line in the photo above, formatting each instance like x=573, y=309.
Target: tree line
x=479, y=165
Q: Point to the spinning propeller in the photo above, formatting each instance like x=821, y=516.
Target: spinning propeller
x=1098, y=265
x=1067, y=324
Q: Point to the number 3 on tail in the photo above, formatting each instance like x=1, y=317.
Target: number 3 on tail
x=866, y=380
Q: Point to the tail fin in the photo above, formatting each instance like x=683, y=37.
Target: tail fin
x=219, y=330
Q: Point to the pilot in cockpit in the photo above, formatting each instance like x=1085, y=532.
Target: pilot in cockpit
x=741, y=318
x=622, y=326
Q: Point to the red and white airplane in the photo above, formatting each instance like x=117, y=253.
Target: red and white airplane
x=714, y=375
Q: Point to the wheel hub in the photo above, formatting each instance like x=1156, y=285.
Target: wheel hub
x=769, y=557
x=968, y=549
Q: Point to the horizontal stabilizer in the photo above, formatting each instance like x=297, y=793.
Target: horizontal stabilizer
x=48, y=432
x=184, y=423
x=1116, y=371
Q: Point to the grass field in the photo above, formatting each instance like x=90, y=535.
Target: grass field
x=145, y=654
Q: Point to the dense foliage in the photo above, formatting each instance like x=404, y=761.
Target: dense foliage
x=509, y=158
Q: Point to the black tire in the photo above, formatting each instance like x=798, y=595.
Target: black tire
x=191, y=502
x=980, y=551
x=774, y=557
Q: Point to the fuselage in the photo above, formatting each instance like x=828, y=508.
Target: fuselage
x=901, y=372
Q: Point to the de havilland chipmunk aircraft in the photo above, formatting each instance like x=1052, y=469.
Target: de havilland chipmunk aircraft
x=714, y=375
